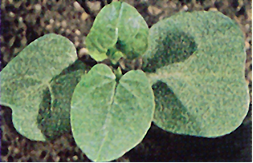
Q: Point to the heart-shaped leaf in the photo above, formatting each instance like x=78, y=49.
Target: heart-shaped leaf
x=109, y=118
x=28, y=75
x=197, y=60
x=54, y=113
x=118, y=31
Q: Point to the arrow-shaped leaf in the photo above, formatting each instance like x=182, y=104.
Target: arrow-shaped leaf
x=25, y=78
x=109, y=118
x=198, y=79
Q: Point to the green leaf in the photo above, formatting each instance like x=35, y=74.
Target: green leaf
x=28, y=75
x=109, y=118
x=198, y=80
x=54, y=113
x=118, y=31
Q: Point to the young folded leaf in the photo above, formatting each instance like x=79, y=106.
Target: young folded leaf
x=25, y=78
x=110, y=118
x=118, y=31
x=199, y=82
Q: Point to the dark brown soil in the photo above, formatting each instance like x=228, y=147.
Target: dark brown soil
x=24, y=21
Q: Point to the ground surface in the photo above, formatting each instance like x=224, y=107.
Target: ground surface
x=24, y=21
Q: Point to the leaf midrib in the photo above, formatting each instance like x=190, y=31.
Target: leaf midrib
x=107, y=119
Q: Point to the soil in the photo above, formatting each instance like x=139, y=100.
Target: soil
x=24, y=21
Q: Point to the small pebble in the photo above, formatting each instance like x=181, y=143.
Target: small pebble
x=77, y=32
x=57, y=24
x=23, y=41
x=64, y=23
x=57, y=159
x=20, y=19
x=185, y=8
x=68, y=31
x=247, y=45
x=37, y=7
x=11, y=14
x=11, y=41
x=77, y=43
x=49, y=26
x=83, y=52
x=77, y=6
x=94, y=6
x=84, y=16
x=172, y=5
x=154, y=10
x=212, y=9
x=51, y=21
x=16, y=150
x=247, y=27
x=241, y=3
x=75, y=158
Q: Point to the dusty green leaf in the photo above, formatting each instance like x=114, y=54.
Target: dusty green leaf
x=196, y=64
x=118, y=31
x=28, y=75
x=54, y=113
x=109, y=118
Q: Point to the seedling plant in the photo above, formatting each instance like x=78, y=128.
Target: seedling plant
x=191, y=81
